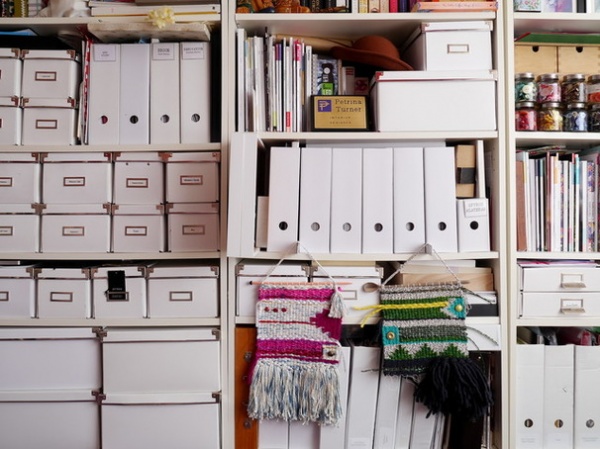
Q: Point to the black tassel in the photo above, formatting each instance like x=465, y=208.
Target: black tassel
x=455, y=385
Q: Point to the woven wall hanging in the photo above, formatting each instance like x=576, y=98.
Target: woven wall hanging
x=295, y=376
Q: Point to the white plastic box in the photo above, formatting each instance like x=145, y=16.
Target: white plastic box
x=138, y=228
x=17, y=292
x=11, y=68
x=119, y=292
x=67, y=228
x=49, y=121
x=192, y=177
x=434, y=101
x=64, y=293
x=19, y=229
x=11, y=120
x=138, y=178
x=193, y=227
x=450, y=46
x=77, y=178
x=183, y=291
x=50, y=74
x=20, y=178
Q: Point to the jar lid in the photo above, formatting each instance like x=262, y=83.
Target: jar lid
x=548, y=77
x=574, y=77
x=524, y=75
x=577, y=105
x=527, y=104
x=553, y=104
x=594, y=106
x=594, y=78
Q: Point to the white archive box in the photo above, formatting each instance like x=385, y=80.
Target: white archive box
x=192, y=227
x=20, y=178
x=192, y=177
x=64, y=293
x=17, y=292
x=50, y=74
x=169, y=360
x=49, y=121
x=11, y=68
x=49, y=359
x=178, y=291
x=359, y=286
x=449, y=100
x=19, y=228
x=76, y=178
x=119, y=292
x=450, y=46
x=138, y=178
x=158, y=421
x=75, y=228
x=11, y=121
x=49, y=419
x=138, y=228
x=249, y=274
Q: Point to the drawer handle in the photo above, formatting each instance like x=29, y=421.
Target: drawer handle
x=571, y=306
x=572, y=281
x=572, y=285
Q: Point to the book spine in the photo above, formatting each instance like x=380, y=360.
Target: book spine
x=394, y=6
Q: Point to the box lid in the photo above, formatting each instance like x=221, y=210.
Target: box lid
x=19, y=157
x=63, y=273
x=130, y=271
x=50, y=54
x=372, y=271
x=48, y=396
x=138, y=209
x=467, y=25
x=253, y=268
x=193, y=208
x=196, y=156
x=134, y=156
x=27, y=209
x=47, y=333
x=11, y=102
x=76, y=157
x=37, y=102
x=10, y=53
x=20, y=272
x=154, y=335
x=435, y=75
x=179, y=271
x=159, y=398
x=76, y=209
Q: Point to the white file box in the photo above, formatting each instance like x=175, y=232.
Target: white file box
x=19, y=228
x=20, y=175
x=17, y=292
x=49, y=121
x=193, y=227
x=119, y=292
x=50, y=74
x=138, y=228
x=138, y=178
x=64, y=293
x=11, y=120
x=192, y=177
x=11, y=69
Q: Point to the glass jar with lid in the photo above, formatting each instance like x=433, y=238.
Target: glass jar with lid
x=594, y=117
x=548, y=88
x=550, y=117
x=525, y=87
x=593, y=89
x=574, y=88
x=525, y=116
x=575, y=117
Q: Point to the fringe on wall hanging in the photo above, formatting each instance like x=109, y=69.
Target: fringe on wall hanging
x=295, y=375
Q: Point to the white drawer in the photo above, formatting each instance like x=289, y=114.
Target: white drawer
x=557, y=279
x=562, y=304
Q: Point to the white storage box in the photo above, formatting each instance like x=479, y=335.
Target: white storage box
x=560, y=279
x=183, y=360
x=11, y=68
x=450, y=46
x=483, y=336
x=357, y=284
x=77, y=178
x=75, y=228
x=20, y=176
x=50, y=74
x=17, y=292
x=192, y=177
x=138, y=228
x=64, y=293
x=560, y=304
x=19, y=229
x=11, y=121
x=183, y=292
x=119, y=292
x=434, y=101
x=153, y=421
x=193, y=227
x=138, y=178
x=248, y=275
x=49, y=359
x=52, y=420
x=49, y=121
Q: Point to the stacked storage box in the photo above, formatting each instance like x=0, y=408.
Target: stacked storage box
x=11, y=115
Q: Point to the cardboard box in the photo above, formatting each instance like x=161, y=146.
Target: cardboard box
x=450, y=46
x=64, y=293
x=193, y=227
x=119, y=292
x=20, y=176
x=579, y=59
x=51, y=74
x=183, y=291
x=138, y=228
x=434, y=101
x=536, y=58
x=11, y=69
x=49, y=121
x=11, y=119
x=138, y=178
x=192, y=177
x=17, y=292
x=19, y=229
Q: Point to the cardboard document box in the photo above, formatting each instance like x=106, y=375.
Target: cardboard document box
x=64, y=293
x=138, y=178
x=51, y=74
x=157, y=421
x=77, y=178
x=138, y=228
x=449, y=100
x=177, y=291
x=19, y=228
x=192, y=177
x=119, y=292
x=75, y=228
x=17, y=292
x=195, y=88
x=164, y=93
x=103, y=94
x=249, y=274
x=193, y=227
x=30, y=358
x=134, y=94
x=11, y=68
x=450, y=46
x=20, y=176
x=140, y=361
x=473, y=224
x=11, y=120
x=49, y=121
x=50, y=419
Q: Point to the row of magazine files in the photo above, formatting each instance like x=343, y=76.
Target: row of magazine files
x=378, y=411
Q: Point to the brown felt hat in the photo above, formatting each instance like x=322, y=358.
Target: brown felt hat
x=372, y=50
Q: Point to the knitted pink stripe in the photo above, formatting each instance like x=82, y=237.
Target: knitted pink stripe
x=299, y=346
x=282, y=293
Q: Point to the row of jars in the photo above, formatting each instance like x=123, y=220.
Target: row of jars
x=552, y=116
x=549, y=88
